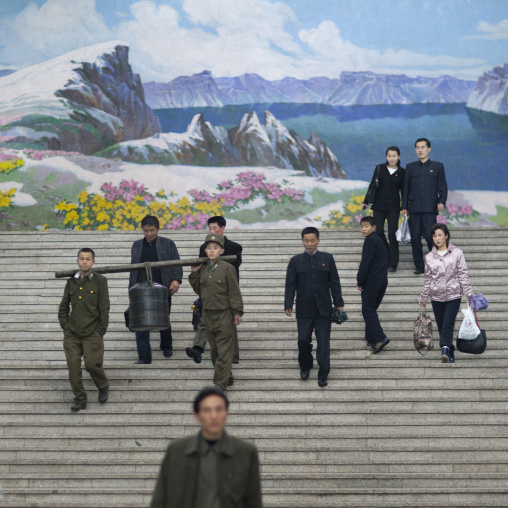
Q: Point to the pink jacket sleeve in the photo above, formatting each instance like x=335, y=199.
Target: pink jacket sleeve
x=426, y=284
x=463, y=275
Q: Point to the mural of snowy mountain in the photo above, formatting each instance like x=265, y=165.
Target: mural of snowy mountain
x=84, y=101
x=353, y=88
x=491, y=92
x=197, y=90
x=367, y=88
x=249, y=144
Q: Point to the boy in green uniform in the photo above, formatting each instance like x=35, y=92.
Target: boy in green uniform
x=84, y=327
x=217, y=286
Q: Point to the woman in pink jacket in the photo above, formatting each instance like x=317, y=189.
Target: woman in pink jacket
x=446, y=280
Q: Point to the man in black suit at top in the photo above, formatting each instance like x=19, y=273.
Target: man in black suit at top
x=424, y=196
x=313, y=276
x=216, y=226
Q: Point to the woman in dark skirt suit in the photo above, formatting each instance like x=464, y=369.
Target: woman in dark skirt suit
x=386, y=205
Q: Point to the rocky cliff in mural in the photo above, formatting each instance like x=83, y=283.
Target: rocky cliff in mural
x=248, y=144
x=352, y=88
x=82, y=101
x=491, y=92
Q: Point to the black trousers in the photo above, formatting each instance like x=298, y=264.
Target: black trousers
x=143, y=340
x=372, y=296
x=393, y=225
x=446, y=315
x=321, y=327
x=420, y=225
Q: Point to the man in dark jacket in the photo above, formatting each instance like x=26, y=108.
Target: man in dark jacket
x=424, y=196
x=216, y=226
x=313, y=277
x=150, y=249
x=211, y=468
x=372, y=281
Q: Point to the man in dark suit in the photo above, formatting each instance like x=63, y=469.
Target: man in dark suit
x=313, y=276
x=424, y=196
x=216, y=226
x=149, y=249
x=211, y=468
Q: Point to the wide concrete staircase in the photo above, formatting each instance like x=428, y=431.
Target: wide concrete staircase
x=391, y=430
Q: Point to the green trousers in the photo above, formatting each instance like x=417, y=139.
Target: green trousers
x=220, y=331
x=92, y=349
x=201, y=338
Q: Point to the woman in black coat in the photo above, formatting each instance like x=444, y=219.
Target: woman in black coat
x=386, y=203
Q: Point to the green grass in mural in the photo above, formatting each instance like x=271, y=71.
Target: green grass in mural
x=47, y=191
x=288, y=211
x=501, y=217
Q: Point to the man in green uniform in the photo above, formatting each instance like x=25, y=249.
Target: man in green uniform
x=212, y=468
x=84, y=327
x=217, y=286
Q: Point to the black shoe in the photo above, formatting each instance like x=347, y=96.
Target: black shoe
x=78, y=407
x=445, y=354
x=236, y=361
x=168, y=353
x=231, y=381
x=379, y=347
x=304, y=374
x=322, y=382
x=418, y=272
x=193, y=353
x=451, y=356
x=103, y=395
x=392, y=269
x=142, y=362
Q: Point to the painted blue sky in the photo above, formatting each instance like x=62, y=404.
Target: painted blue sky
x=300, y=38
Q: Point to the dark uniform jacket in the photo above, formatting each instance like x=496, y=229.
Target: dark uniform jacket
x=89, y=298
x=374, y=265
x=238, y=474
x=230, y=249
x=389, y=192
x=313, y=278
x=218, y=288
x=166, y=251
x=424, y=187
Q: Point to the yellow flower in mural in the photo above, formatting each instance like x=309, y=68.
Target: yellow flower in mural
x=10, y=165
x=6, y=198
x=71, y=217
x=124, y=207
x=82, y=196
x=349, y=218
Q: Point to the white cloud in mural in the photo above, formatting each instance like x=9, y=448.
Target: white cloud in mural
x=258, y=19
x=40, y=33
x=492, y=31
x=335, y=54
x=233, y=39
x=228, y=37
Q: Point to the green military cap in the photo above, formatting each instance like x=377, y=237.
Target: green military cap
x=215, y=238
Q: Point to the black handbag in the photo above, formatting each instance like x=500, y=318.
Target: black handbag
x=370, y=197
x=476, y=346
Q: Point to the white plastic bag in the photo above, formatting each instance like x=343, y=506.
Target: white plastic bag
x=403, y=235
x=469, y=330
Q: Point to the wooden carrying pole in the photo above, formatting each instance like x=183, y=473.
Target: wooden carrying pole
x=142, y=266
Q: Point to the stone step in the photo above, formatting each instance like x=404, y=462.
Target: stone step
x=273, y=497
x=318, y=447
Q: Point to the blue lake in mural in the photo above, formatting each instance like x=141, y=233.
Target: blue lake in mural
x=472, y=145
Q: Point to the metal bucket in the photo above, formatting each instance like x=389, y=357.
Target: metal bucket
x=148, y=307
